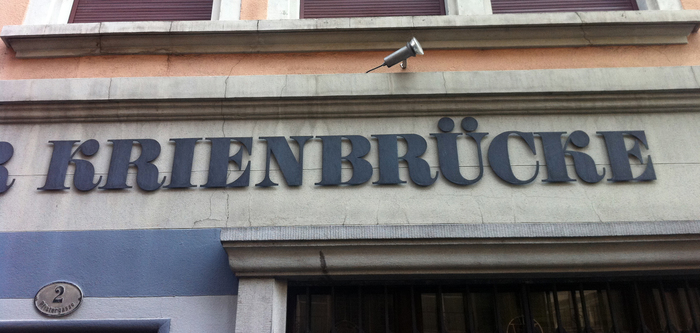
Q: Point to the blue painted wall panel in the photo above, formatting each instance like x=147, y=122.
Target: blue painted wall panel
x=117, y=263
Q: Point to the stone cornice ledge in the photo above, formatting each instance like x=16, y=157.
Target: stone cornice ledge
x=547, y=91
x=512, y=248
x=353, y=34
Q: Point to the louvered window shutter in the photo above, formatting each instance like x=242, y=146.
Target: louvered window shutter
x=541, y=6
x=86, y=11
x=366, y=8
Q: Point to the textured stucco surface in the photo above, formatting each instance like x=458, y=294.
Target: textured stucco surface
x=12, y=13
x=351, y=62
x=253, y=9
x=672, y=138
x=334, y=62
x=691, y=4
x=652, y=82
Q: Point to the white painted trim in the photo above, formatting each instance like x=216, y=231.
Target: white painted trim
x=64, y=11
x=662, y=5
x=472, y=7
x=215, y=10
x=48, y=12
x=40, y=12
x=283, y=9
x=295, y=7
x=229, y=10
x=278, y=9
x=451, y=7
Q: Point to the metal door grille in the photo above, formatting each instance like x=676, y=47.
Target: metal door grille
x=608, y=307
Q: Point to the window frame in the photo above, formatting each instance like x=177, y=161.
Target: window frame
x=59, y=11
x=40, y=12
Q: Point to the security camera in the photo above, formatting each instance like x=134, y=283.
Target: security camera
x=411, y=49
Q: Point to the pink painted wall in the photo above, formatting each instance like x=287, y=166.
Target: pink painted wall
x=11, y=12
x=253, y=9
x=691, y=4
x=12, y=68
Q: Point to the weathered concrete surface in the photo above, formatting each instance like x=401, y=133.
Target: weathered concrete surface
x=262, y=305
x=572, y=81
x=588, y=90
x=354, y=34
x=429, y=255
x=674, y=145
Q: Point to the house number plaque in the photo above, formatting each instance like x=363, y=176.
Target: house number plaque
x=58, y=299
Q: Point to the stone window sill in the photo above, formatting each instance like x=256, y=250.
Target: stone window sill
x=353, y=34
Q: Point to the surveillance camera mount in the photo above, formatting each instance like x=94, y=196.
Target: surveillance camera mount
x=401, y=55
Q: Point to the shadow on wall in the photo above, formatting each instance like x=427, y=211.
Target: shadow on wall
x=117, y=263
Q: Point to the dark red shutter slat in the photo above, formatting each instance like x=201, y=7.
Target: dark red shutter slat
x=367, y=8
x=541, y=6
x=86, y=11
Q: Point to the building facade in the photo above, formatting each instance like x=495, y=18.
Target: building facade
x=228, y=166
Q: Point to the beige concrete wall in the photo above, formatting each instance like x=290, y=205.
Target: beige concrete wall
x=673, y=139
x=335, y=62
